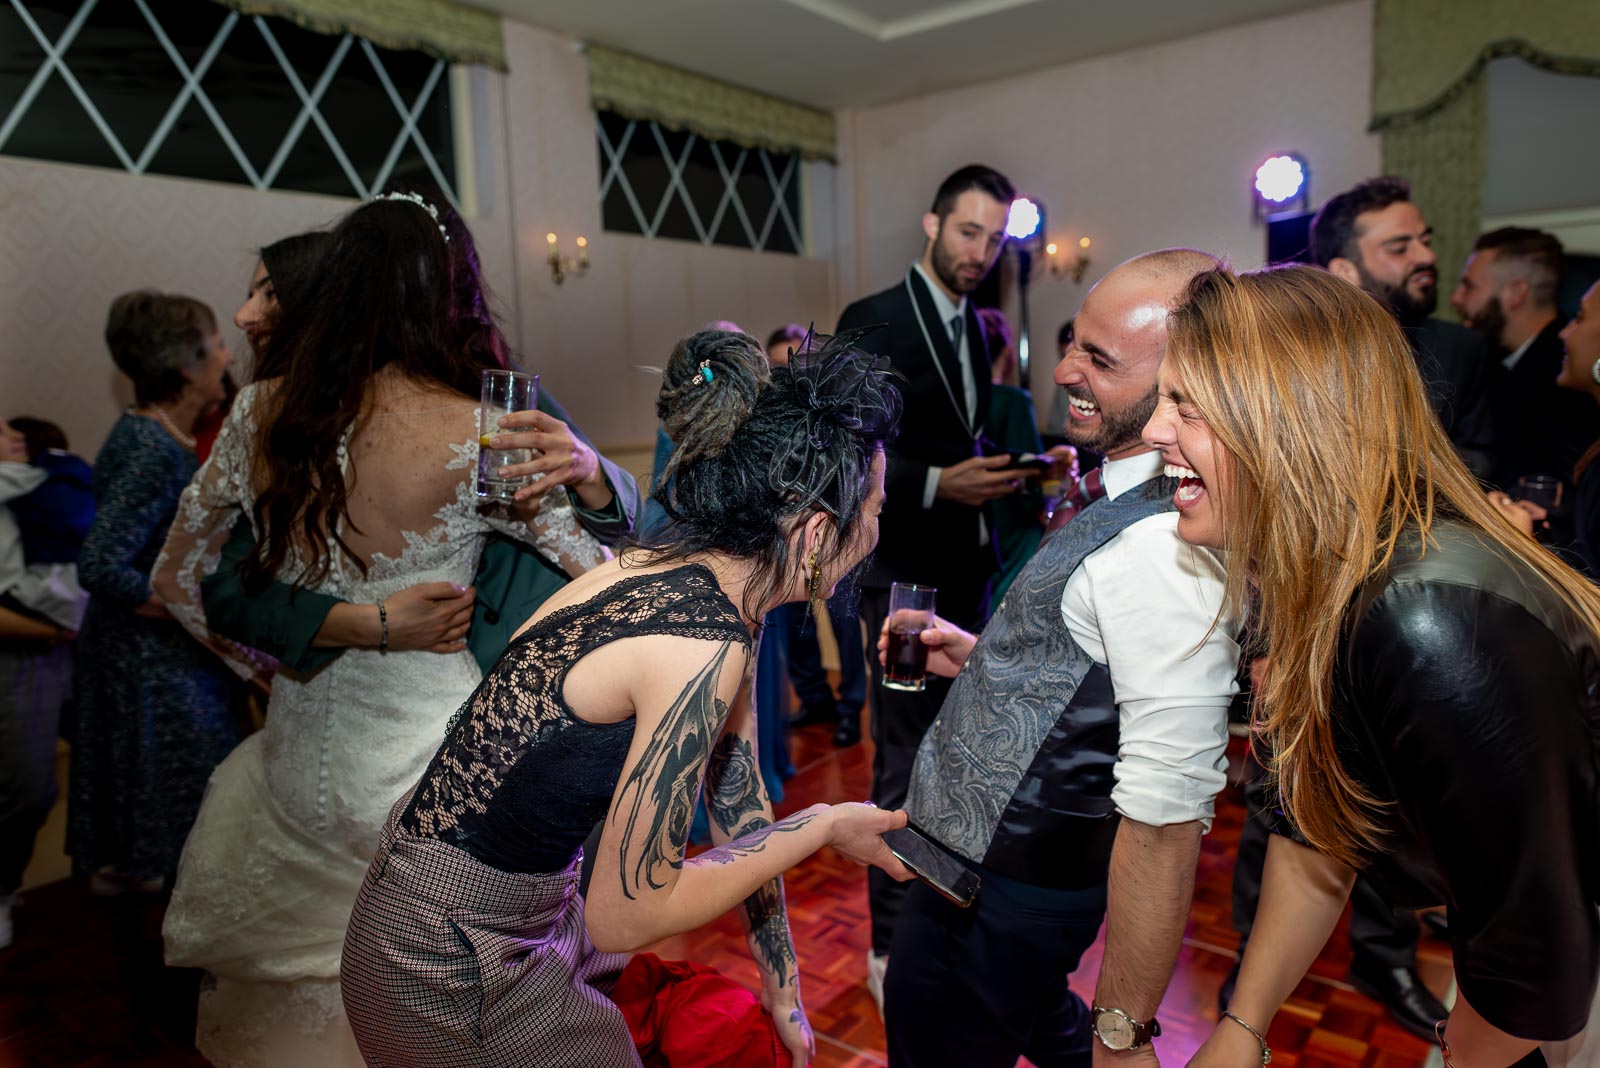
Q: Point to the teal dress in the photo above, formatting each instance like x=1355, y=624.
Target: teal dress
x=1013, y=426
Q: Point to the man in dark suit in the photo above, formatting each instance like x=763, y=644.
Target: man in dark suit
x=936, y=527
x=1507, y=293
x=1374, y=237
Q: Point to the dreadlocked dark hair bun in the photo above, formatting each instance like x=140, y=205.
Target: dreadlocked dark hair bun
x=761, y=448
x=701, y=414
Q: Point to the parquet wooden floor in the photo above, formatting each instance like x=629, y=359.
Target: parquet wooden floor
x=84, y=987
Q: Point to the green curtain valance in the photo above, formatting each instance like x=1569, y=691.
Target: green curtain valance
x=438, y=27
x=643, y=89
x=1426, y=53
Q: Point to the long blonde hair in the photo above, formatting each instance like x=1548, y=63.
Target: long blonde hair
x=1332, y=452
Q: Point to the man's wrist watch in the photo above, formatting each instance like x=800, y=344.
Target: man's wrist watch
x=1119, y=1032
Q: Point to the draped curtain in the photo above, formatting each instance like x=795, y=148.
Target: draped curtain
x=639, y=88
x=1429, y=95
x=441, y=28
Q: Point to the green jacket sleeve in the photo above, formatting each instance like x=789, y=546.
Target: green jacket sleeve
x=281, y=620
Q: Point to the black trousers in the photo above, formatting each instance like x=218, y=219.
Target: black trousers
x=899, y=720
x=981, y=986
x=35, y=682
x=1380, y=935
x=805, y=657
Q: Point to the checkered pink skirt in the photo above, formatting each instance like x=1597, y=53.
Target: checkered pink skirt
x=449, y=962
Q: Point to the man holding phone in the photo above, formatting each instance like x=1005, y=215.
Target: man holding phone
x=1075, y=763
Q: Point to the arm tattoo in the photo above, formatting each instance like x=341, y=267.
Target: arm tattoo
x=735, y=783
x=754, y=840
x=767, y=926
x=660, y=792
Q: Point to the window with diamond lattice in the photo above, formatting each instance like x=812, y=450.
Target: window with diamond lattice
x=194, y=89
x=673, y=183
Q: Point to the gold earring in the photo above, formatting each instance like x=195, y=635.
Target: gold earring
x=816, y=577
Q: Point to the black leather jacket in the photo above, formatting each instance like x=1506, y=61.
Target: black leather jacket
x=1468, y=694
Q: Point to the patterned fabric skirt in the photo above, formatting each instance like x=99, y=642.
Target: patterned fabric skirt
x=451, y=962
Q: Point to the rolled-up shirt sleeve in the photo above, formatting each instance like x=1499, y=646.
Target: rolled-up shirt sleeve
x=1146, y=604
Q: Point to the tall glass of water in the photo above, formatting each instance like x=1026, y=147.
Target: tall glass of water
x=504, y=392
x=910, y=613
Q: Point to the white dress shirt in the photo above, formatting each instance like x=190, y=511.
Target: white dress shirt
x=1144, y=604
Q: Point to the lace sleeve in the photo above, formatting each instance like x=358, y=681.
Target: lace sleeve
x=212, y=502
x=550, y=525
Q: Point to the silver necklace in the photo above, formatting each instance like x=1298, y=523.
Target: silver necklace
x=186, y=440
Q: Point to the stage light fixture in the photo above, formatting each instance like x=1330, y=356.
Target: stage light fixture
x=1282, y=183
x=1024, y=219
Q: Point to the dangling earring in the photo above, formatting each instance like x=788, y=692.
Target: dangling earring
x=1595, y=371
x=816, y=577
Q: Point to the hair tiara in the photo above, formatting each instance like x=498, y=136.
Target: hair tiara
x=416, y=199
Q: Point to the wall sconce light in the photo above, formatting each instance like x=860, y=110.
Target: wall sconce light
x=1074, y=263
x=559, y=267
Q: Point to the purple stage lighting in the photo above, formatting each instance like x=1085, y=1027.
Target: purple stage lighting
x=1023, y=222
x=1280, y=179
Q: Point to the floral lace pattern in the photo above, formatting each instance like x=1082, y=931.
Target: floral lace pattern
x=520, y=781
x=291, y=818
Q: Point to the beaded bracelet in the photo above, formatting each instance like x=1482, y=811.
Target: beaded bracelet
x=383, y=628
x=1266, y=1051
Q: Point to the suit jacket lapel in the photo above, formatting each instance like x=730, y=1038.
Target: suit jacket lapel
x=944, y=353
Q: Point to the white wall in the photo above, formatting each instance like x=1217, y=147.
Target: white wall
x=1139, y=150
x=72, y=238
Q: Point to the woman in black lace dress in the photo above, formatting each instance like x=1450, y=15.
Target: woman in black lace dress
x=470, y=944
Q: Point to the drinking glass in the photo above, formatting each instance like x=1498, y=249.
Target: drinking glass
x=504, y=392
x=1543, y=490
x=910, y=613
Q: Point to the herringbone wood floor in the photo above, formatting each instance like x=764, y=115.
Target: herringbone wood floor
x=84, y=985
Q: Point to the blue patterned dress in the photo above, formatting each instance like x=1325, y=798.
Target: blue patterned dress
x=155, y=710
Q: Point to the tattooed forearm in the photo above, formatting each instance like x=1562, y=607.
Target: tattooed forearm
x=656, y=802
x=767, y=927
x=733, y=783
x=755, y=840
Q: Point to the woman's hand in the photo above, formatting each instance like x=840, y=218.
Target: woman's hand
x=430, y=617
x=1230, y=1046
x=948, y=646
x=1527, y=516
x=789, y=1019
x=560, y=458
x=855, y=830
x=153, y=608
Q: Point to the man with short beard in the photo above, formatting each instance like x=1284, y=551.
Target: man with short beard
x=936, y=528
x=1374, y=237
x=1507, y=293
x=1076, y=761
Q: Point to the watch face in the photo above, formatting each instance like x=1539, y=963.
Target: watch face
x=1114, y=1029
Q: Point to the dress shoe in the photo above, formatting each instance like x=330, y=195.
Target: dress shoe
x=1400, y=990
x=819, y=712
x=848, y=732
x=1225, y=991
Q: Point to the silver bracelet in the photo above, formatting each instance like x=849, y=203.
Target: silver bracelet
x=383, y=628
x=1266, y=1050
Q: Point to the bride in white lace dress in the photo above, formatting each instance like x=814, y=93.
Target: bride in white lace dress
x=371, y=413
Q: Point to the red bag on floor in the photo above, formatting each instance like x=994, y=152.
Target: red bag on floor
x=685, y=1015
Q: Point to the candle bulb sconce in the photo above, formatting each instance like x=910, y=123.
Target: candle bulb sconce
x=1074, y=263
x=560, y=266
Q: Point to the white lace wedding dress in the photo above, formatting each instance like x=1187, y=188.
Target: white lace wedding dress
x=291, y=818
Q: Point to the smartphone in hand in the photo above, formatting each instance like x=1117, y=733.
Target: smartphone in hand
x=952, y=879
x=1031, y=462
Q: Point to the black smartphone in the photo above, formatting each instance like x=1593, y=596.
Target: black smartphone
x=1029, y=461
x=951, y=878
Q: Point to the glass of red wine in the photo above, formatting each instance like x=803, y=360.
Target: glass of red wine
x=910, y=613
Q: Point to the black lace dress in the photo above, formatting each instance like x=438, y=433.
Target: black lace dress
x=467, y=945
